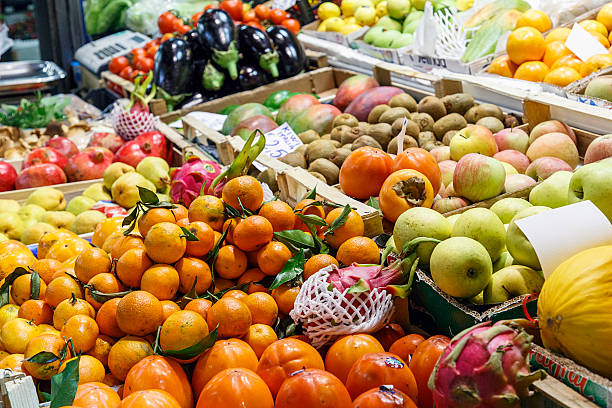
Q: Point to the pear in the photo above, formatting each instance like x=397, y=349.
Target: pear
x=28, y=222
x=552, y=192
x=156, y=170
x=79, y=204
x=512, y=281
x=482, y=225
x=11, y=225
x=114, y=171
x=97, y=192
x=34, y=233
x=9, y=206
x=125, y=189
x=504, y=260
x=3, y=238
x=59, y=219
x=48, y=198
x=31, y=211
x=86, y=221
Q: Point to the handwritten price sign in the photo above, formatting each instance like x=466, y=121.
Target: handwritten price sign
x=281, y=141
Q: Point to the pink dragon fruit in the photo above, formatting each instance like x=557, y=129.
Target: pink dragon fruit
x=187, y=181
x=484, y=367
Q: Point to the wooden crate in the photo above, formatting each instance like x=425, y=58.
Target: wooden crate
x=70, y=190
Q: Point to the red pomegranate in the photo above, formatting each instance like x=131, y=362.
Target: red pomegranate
x=8, y=175
x=111, y=141
x=147, y=144
x=45, y=155
x=63, y=145
x=89, y=164
x=40, y=175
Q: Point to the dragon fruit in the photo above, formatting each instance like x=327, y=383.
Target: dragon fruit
x=187, y=181
x=484, y=366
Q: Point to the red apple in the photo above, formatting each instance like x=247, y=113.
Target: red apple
x=448, y=191
x=445, y=205
x=39, y=175
x=512, y=139
x=516, y=182
x=111, y=141
x=8, y=175
x=89, y=164
x=515, y=158
x=472, y=139
x=447, y=168
x=63, y=145
x=44, y=155
x=544, y=167
x=599, y=149
x=557, y=145
x=440, y=153
x=551, y=126
x=478, y=177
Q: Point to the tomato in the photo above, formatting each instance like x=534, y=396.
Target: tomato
x=126, y=73
x=196, y=17
x=151, y=51
x=117, y=64
x=137, y=53
x=136, y=73
x=277, y=16
x=150, y=44
x=250, y=16
x=210, y=6
x=256, y=25
x=167, y=36
x=166, y=22
x=144, y=63
x=183, y=28
x=292, y=25
x=422, y=364
x=262, y=11
x=233, y=8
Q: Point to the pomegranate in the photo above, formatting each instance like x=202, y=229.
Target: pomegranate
x=63, y=145
x=111, y=141
x=89, y=164
x=147, y=144
x=45, y=155
x=39, y=175
x=8, y=175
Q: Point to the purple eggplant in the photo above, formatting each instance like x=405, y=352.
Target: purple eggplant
x=218, y=34
x=290, y=51
x=252, y=76
x=255, y=45
x=173, y=67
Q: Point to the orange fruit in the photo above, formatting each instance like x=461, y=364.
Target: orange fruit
x=8, y=312
x=208, y=209
x=62, y=288
x=124, y=244
x=280, y=215
x=570, y=61
x=180, y=212
x=285, y=296
x=14, y=362
x=232, y=316
x=558, y=34
x=12, y=245
x=132, y=265
x=236, y=387
x=554, y=51
x=405, y=347
x=236, y=294
x=83, y=330
x=222, y=284
x=595, y=63
x=361, y=250
x=346, y=351
x=64, y=249
x=139, y=313
x=252, y=259
x=536, y=19
x=534, y=71
x=245, y=189
x=14, y=259
x=317, y=262
x=263, y=308
x=190, y=269
x=154, y=216
x=50, y=238
x=200, y=306
x=168, y=307
x=105, y=283
x=96, y=395
x=91, y=262
x=259, y=337
x=125, y=353
x=111, y=240
x=594, y=25
x=253, y=275
x=17, y=333
x=305, y=207
x=603, y=40
x=231, y=262
x=562, y=76
x=272, y=258
x=104, y=229
x=46, y=268
x=230, y=225
x=71, y=307
x=206, y=237
x=183, y=222
x=20, y=290
x=160, y=280
x=45, y=342
x=218, y=236
x=165, y=243
x=90, y=369
x=352, y=227
x=182, y=329
x=252, y=233
x=112, y=381
x=36, y=311
x=107, y=318
x=525, y=44
x=604, y=16
x=101, y=349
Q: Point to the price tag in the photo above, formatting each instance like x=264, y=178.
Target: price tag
x=282, y=4
x=212, y=120
x=281, y=141
x=583, y=44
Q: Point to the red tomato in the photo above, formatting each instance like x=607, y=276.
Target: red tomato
x=167, y=36
x=137, y=53
x=117, y=64
x=277, y=16
x=233, y=8
x=196, y=17
x=144, y=64
x=262, y=11
x=210, y=6
x=150, y=44
x=151, y=51
x=256, y=25
x=292, y=25
x=183, y=28
x=135, y=74
x=126, y=72
x=166, y=22
x=250, y=16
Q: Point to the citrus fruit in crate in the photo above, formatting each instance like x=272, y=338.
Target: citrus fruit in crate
x=536, y=19
x=525, y=44
x=534, y=71
x=562, y=76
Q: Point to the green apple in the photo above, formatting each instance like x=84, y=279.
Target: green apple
x=372, y=33
x=11, y=225
x=592, y=182
x=97, y=192
x=412, y=21
x=504, y=260
x=402, y=40
x=86, y=221
x=461, y=267
x=9, y=206
x=482, y=225
x=420, y=222
x=388, y=23
x=517, y=243
x=79, y=204
x=31, y=211
x=114, y=171
x=34, y=233
x=385, y=39
x=512, y=281
x=552, y=192
x=419, y=4
x=477, y=300
x=507, y=208
x=48, y=198
x=398, y=9
x=59, y=219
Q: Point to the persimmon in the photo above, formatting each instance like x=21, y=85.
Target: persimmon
x=403, y=190
x=344, y=352
x=96, y=395
x=236, y=387
x=383, y=397
x=365, y=164
x=422, y=161
x=423, y=362
x=312, y=388
x=406, y=346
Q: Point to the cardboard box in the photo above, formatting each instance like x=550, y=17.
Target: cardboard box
x=575, y=90
x=427, y=64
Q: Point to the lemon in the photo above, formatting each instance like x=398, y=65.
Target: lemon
x=605, y=16
x=349, y=28
x=335, y=24
x=322, y=26
x=365, y=16
x=381, y=8
x=328, y=10
x=350, y=20
x=361, y=3
x=347, y=7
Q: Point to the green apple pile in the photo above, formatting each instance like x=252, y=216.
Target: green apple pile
x=396, y=28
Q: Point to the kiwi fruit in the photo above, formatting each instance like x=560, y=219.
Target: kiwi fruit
x=345, y=119
x=512, y=120
x=452, y=121
x=433, y=106
x=336, y=143
x=363, y=127
x=309, y=136
x=470, y=115
x=409, y=142
x=318, y=175
x=294, y=159
x=381, y=132
x=268, y=176
x=424, y=120
x=403, y=101
x=365, y=140
x=301, y=149
x=427, y=140
x=491, y=123
x=319, y=149
x=326, y=137
x=339, y=155
x=376, y=112
x=412, y=129
x=328, y=169
x=448, y=136
x=348, y=146
x=458, y=103
x=350, y=136
x=488, y=109
x=336, y=133
x=393, y=114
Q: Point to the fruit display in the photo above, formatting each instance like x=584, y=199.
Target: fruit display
x=598, y=87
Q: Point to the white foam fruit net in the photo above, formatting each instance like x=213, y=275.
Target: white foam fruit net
x=128, y=124
x=326, y=313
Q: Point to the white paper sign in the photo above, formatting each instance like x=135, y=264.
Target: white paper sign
x=583, y=44
x=212, y=120
x=558, y=234
x=281, y=141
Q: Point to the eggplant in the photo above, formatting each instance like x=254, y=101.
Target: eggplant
x=218, y=34
x=198, y=51
x=289, y=50
x=252, y=76
x=173, y=67
x=212, y=78
x=255, y=45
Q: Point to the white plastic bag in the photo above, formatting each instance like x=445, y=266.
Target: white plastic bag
x=426, y=34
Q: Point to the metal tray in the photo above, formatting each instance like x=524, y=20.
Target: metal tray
x=25, y=76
